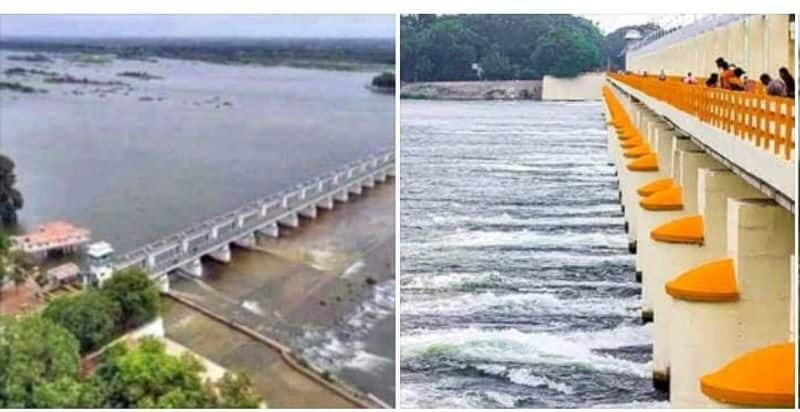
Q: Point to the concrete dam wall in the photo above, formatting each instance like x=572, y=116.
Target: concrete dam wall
x=586, y=86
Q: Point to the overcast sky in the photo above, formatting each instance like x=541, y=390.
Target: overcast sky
x=198, y=25
x=611, y=22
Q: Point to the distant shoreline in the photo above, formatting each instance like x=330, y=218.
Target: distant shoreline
x=357, y=55
x=473, y=90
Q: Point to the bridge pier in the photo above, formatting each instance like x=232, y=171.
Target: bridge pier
x=743, y=304
x=163, y=283
x=326, y=203
x=636, y=173
x=715, y=254
x=194, y=268
x=246, y=241
x=634, y=180
x=687, y=242
x=309, y=212
x=368, y=182
x=355, y=189
x=270, y=230
x=342, y=196
x=222, y=255
x=291, y=220
x=679, y=199
x=663, y=144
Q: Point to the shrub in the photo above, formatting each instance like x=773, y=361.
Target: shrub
x=135, y=293
x=34, y=351
x=385, y=79
x=92, y=317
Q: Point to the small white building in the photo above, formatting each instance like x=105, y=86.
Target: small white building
x=101, y=264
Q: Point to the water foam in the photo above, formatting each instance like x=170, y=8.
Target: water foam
x=475, y=345
x=527, y=238
x=516, y=304
x=526, y=377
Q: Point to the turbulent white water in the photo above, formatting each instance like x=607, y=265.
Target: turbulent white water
x=348, y=347
x=517, y=287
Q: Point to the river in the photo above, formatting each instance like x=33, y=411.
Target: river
x=213, y=137
x=517, y=289
x=138, y=161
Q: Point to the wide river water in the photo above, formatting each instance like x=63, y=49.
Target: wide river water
x=136, y=163
x=139, y=161
x=517, y=289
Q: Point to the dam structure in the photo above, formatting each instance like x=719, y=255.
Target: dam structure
x=707, y=182
x=183, y=251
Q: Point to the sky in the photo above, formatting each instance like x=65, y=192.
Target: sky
x=611, y=22
x=198, y=25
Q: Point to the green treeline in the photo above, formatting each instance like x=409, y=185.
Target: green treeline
x=504, y=46
x=437, y=48
x=41, y=366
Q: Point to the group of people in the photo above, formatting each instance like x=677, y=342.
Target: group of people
x=731, y=77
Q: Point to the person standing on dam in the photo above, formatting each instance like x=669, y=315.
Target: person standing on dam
x=788, y=80
x=774, y=87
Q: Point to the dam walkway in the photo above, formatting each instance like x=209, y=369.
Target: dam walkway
x=707, y=186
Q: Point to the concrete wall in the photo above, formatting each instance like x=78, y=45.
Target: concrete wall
x=587, y=86
x=759, y=44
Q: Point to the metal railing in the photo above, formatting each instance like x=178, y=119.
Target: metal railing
x=766, y=121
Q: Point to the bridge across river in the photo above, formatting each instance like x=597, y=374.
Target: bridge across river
x=212, y=237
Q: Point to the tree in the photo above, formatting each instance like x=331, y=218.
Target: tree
x=33, y=352
x=5, y=243
x=553, y=59
x=135, y=293
x=496, y=66
x=147, y=377
x=385, y=80
x=443, y=47
x=68, y=393
x=92, y=317
x=236, y=392
x=10, y=198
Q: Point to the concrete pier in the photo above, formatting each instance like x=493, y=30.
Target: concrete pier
x=223, y=254
x=290, y=220
x=685, y=242
x=715, y=254
x=269, y=231
x=194, y=268
x=720, y=308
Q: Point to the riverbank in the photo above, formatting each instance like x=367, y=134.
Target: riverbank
x=473, y=90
